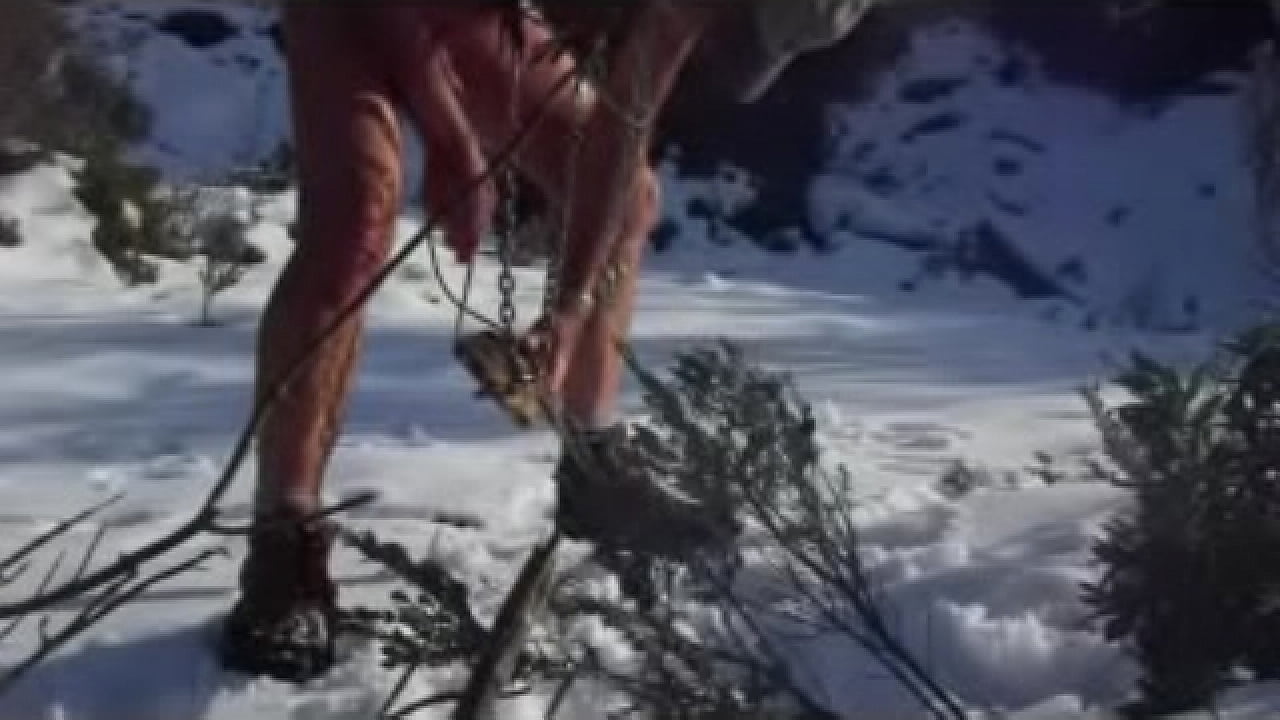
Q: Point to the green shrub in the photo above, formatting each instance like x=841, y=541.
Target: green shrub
x=1191, y=572
x=134, y=219
x=55, y=93
x=10, y=232
x=224, y=251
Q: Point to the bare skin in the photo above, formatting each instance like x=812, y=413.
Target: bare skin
x=347, y=152
x=584, y=367
x=453, y=72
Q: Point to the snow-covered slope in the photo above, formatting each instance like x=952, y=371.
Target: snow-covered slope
x=1115, y=216
x=210, y=72
x=961, y=156
x=110, y=390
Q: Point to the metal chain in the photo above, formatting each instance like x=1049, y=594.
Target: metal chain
x=511, y=209
x=637, y=119
x=506, y=243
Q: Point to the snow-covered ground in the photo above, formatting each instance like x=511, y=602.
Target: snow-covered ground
x=109, y=390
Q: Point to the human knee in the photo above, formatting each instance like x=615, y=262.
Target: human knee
x=338, y=255
x=348, y=211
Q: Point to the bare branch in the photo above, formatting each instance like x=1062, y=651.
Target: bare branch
x=88, y=553
x=44, y=583
x=53, y=533
x=398, y=690
x=108, y=600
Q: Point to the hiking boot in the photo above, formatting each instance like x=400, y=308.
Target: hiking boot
x=614, y=492
x=284, y=623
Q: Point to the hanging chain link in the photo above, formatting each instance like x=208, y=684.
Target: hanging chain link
x=590, y=74
x=499, y=358
x=506, y=248
x=636, y=116
x=511, y=208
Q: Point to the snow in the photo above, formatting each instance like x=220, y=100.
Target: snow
x=111, y=390
x=1157, y=217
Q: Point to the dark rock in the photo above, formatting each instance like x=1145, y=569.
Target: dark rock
x=1072, y=270
x=1012, y=72
x=1166, y=49
x=199, y=28
x=10, y=232
x=276, y=33
x=933, y=125
x=930, y=89
x=664, y=235
x=995, y=254
x=1006, y=205
x=1017, y=139
x=1007, y=167
x=1118, y=215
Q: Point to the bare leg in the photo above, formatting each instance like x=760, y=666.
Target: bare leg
x=283, y=623
x=348, y=156
x=594, y=374
x=614, y=211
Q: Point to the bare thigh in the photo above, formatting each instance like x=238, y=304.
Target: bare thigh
x=502, y=90
x=347, y=136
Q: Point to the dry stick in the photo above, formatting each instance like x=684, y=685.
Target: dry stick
x=44, y=583
x=89, y=552
x=111, y=599
x=855, y=592
x=60, y=529
x=504, y=631
x=882, y=642
x=561, y=694
x=440, y=699
x=357, y=500
x=401, y=684
x=891, y=663
x=781, y=672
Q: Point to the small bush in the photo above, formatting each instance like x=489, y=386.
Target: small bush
x=960, y=480
x=10, y=232
x=134, y=219
x=90, y=111
x=1191, y=573
x=56, y=94
x=32, y=39
x=225, y=251
x=17, y=157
